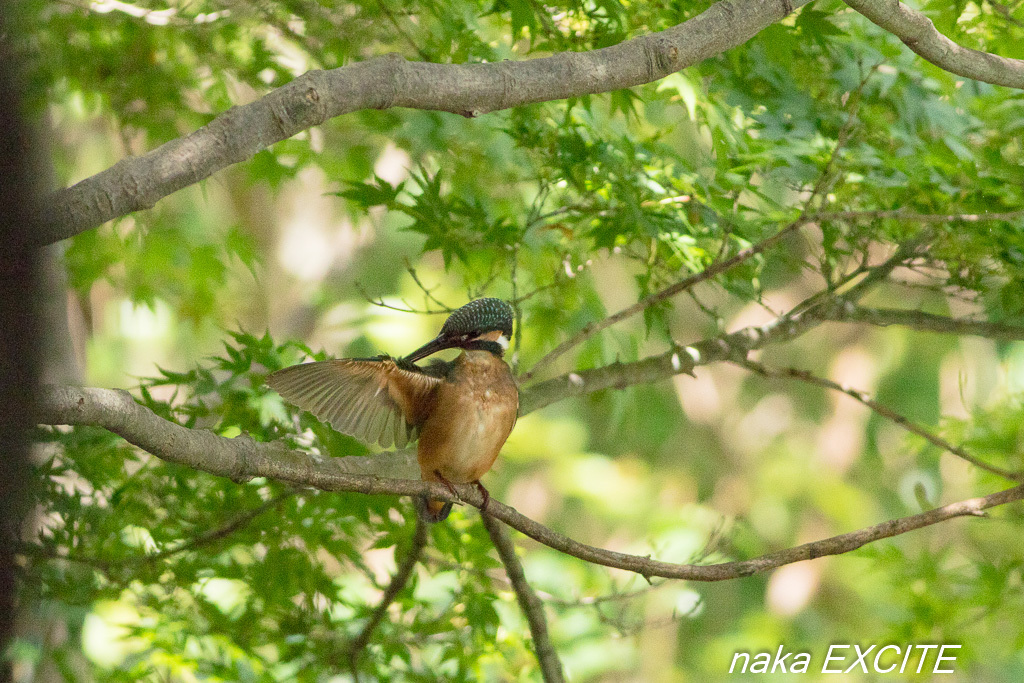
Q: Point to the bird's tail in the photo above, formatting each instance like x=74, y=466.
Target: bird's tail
x=431, y=510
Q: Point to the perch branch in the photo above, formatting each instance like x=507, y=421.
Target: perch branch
x=242, y=458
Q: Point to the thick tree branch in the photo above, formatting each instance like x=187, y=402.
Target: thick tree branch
x=929, y=322
x=533, y=608
x=116, y=411
x=398, y=581
x=384, y=82
x=242, y=458
x=919, y=34
x=885, y=411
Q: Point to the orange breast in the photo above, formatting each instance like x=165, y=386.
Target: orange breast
x=472, y=418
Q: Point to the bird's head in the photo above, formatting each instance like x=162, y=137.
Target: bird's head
x=482, y=324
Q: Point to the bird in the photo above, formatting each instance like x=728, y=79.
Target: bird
x=461, y=411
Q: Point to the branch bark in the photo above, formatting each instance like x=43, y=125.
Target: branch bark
x=533, y=608
x=390, y=81
x=242, y=458
x=919, y=34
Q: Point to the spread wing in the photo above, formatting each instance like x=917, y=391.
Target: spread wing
x=375, y=400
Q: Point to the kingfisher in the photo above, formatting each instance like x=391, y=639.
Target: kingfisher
x=462, y=411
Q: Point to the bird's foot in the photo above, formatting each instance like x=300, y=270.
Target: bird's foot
x=450, y=486
x=485, y=493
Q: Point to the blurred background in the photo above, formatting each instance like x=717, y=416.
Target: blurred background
x=351, y=239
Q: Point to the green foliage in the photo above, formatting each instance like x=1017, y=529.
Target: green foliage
x=255, y=580
x=572, y=210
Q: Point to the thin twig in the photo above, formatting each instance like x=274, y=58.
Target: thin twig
x=221, y=532
x=426, y=292
x=401, y=31
x=555, y=213
x=825, y=305
x=826, y=178
x=379, y=302
x=398, y=581
x=884, y=411
x=590, y=601
x=534, y=292
x=905, y=215
x=1006, y=12
x=533, y=608
x=711, y=271
x=855, y=284
x=929, y=322
x=108, y=565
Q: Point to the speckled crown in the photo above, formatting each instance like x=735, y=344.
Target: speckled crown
x=481, y=315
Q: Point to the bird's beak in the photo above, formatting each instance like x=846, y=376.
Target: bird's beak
x=436, y=344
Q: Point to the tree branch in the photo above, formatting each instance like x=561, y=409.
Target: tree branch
x=919, y=34
x=679, y=359
x=688, y=282
x=835, y=545
x=398, y=581
x=138, y=183
x=929, y=322
x=205, y=538
x=829, y=304
x=905, y=215
x=1006, y=13
x=220, y=532
x=884, y=411
x=242, y=458
x=533, y=608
